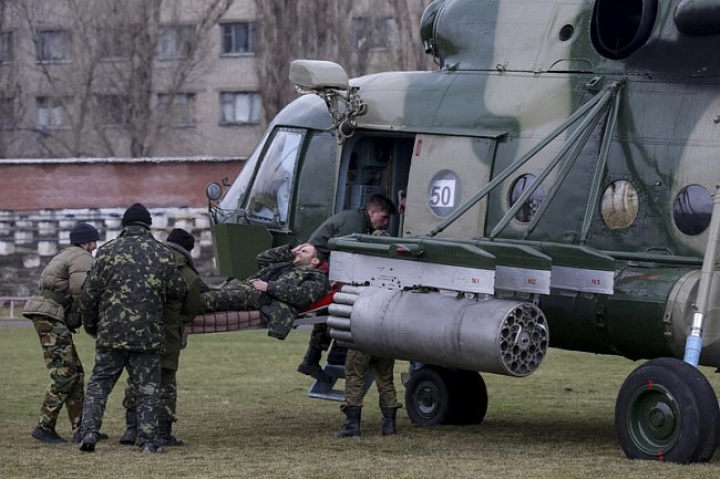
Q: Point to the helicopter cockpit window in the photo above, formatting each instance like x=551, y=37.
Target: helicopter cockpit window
x=621, y=27
x=692, y=210
x=532, y=204
x=272, y=189
x=619, y=205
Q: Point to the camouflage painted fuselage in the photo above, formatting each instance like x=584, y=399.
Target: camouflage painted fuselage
x=511, y=74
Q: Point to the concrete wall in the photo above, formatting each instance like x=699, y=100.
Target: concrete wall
x=41, y=200
x=29, y=240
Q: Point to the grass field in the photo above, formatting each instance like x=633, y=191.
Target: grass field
x=245, y=414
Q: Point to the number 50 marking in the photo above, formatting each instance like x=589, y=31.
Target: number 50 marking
x=442, y=193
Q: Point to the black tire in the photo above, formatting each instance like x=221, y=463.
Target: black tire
x=427, y=396
x=468, y=397
x=667, y=410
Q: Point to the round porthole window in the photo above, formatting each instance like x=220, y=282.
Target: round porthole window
x=692, y=210
x=619, y=205
x=531, y=205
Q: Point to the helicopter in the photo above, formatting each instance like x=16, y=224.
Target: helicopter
x=559, y=172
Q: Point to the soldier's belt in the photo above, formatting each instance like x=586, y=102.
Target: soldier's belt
x=61, y=299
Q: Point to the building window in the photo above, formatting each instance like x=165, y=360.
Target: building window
x=7, y=50
x=114, y=44
x=51, y=113
x=180, y=107
x=176, y=42
x=8, y=116
x=115, y=110
x=240, y=108
x=238, y=38
x=373, y=33
x=53, y=46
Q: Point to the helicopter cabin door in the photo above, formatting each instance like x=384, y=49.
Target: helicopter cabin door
x=445, y=172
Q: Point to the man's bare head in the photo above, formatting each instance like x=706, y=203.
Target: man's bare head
x=306, y=256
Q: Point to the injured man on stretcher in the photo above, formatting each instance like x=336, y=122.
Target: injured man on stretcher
x=289, y=280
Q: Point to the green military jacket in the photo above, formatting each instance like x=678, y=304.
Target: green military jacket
x=287, y=283
x=341, y=224
x=180, y=311
x=60, y=285
x=125, y=292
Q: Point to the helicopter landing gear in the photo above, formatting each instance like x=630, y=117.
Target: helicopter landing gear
x=436, y=395
x=666, y=410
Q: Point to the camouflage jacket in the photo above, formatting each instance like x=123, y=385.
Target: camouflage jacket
x=294, y=286
x=341, y=224
x=60, y=285
x=124, y=295
x=180, y=311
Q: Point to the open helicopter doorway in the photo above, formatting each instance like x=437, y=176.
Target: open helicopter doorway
x=375, y=165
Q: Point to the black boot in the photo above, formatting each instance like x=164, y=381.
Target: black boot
x=163, y=434
x=388, y=428
x=46, y=434
x=130, y=434
x=310, y=365
x=351, y=428
x=89, y=439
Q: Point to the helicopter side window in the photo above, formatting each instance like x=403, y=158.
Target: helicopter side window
x=619, y=205
x=532, y=204
x=692, y=210
x=270, y=196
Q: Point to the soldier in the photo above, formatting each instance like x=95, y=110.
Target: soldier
x=288, y=282
x=375, y=216
x=177, y=313
x=357, y=365
x=122, y=306
x=53, y=313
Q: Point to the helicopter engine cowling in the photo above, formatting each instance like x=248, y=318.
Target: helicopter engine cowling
x=498, y=336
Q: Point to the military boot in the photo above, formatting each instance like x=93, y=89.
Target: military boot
x=351, y=428
x=389, y=426
x=130, y=427
x=89, y=439
x=47, y=434
x=151, y=448
x=163, y=434
x=310, y=365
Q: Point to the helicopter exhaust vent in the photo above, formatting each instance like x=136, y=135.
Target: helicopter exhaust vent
x=506, y=337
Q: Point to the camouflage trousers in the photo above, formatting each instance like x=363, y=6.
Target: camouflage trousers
x=168, y=394
x=144, y=369
x=242, y=296
x=357, y=365
x=67, y=375
x=320, y=337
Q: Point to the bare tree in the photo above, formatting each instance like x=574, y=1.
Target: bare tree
x=103, y=70
x=354, y=34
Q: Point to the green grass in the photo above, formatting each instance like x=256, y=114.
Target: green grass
x=245, y=413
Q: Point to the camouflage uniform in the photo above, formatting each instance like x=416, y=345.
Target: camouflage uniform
x=122, y=304
x=178, y=312
x=341, y=224
x=357, y=365
x=290, y=289
x=52, y=312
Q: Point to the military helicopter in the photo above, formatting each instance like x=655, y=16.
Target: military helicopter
x=559, y=170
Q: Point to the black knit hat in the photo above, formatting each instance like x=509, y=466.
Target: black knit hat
x=182, y=238
x=83, y=233
x=137, y=213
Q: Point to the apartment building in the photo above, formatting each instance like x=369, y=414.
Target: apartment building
x=101, y=78
x=139, y=78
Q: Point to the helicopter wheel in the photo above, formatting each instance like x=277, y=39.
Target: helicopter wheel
x=666, y=410
x=427, y=396
x=468, y=397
